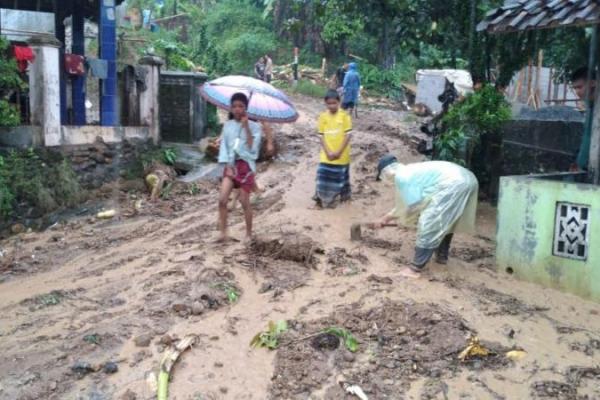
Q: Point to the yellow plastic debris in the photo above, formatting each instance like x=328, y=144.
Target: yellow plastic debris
x=516, y=355
x=107, y=214
x=474, y=349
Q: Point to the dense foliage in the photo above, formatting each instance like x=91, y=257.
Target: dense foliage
x=391, y=38
x=479, y=117
x=10, y=81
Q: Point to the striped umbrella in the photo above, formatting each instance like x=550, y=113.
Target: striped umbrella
x=266, y=103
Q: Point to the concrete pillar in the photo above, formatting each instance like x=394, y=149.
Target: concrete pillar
x=149, y=103
x=59, y=23
x=78, y=82
x=107, y=39
x=44, y=89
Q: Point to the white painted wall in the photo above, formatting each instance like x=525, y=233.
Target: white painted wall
x=31, y=21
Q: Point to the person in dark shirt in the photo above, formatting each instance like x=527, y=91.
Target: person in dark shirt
x=340, y=74
x=585, y=89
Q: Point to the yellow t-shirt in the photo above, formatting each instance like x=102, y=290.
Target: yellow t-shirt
x=335, y=128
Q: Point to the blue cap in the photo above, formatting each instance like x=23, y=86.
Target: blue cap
x=385, y=162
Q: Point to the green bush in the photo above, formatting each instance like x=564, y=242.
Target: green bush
x=29, y=179
x=479, y=114
x=246, y=48
x=387, y=82
x=10, y=81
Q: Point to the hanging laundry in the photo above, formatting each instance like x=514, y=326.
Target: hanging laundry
x=97, y=68
x=146, y=18
x=24, y=55
x=74, y=64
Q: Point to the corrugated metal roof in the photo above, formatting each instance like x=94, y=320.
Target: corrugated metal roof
x=522, y=15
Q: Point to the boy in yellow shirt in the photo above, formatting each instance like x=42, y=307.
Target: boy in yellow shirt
x=333, y=173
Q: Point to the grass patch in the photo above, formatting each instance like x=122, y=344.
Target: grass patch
x=304, y=87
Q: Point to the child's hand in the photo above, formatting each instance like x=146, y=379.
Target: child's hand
x=331, y=156
x=244, y=121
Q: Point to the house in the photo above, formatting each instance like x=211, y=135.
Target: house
x=549, y=225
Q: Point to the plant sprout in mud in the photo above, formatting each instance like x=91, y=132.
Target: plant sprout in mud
x=270, y=337
x=349, y=340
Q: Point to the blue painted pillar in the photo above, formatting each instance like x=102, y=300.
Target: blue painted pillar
x=59, y=27
x=78, y=83
x=108, y=52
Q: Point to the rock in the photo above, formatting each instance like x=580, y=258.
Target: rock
x=143, y=340
x=265, y=287
x=182, y=309
x=421, y=333
x=129, y=395
x=138, y=358
x=223, y=390
x=402, y=330
x=349, y=357
x=53, y=386
x=82, y=368
x=166, y=340
x=218, y=364
x=110, y=368
x=197, y=308
x=17, y=229
x=435, y=318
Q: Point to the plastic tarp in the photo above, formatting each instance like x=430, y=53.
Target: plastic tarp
x=438, y=197
x=431, y=83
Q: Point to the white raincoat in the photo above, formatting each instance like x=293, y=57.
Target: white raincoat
x=438, y=196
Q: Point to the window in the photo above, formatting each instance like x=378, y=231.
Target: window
x=571, y=232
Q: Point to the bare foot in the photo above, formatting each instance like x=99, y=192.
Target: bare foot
x=248, y=240
x=226, y=239
x=409, y=273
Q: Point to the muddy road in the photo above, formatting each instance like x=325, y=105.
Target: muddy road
x=89, y=306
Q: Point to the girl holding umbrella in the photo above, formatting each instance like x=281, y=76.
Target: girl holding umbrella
x=250, y=102
x=238, y=152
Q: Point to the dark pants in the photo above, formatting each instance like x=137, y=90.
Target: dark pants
x=422, y=256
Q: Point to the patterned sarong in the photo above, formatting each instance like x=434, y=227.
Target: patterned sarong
x=333, y=181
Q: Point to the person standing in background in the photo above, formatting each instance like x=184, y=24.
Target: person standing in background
x=259, y=69
x=340, y=74
x=583, y=86
x=351, y=88
x=268, y=69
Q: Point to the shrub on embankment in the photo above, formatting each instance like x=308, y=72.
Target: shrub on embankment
x=34, y=183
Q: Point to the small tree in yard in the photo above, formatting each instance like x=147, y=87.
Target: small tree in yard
x=10, y=81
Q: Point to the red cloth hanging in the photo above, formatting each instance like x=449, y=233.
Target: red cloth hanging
x=74, y=64
x=24, y=55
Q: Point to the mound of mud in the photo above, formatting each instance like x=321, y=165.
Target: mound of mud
x=344, y=263
x=183, y=296
x=288, y=247
x=398, y=343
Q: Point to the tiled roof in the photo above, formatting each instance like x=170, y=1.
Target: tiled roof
x=522, y=15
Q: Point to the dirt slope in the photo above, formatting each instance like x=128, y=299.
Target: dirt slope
x=88, y=293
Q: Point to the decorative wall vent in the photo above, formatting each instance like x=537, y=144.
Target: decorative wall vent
x=572, y=230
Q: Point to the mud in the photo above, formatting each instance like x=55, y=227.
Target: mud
x=398, y=343
x=80, y=298
x=298, y=248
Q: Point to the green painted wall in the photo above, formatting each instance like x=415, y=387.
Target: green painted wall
x=526, y=222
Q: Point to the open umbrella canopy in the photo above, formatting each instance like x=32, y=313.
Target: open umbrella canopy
x=266, y=102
